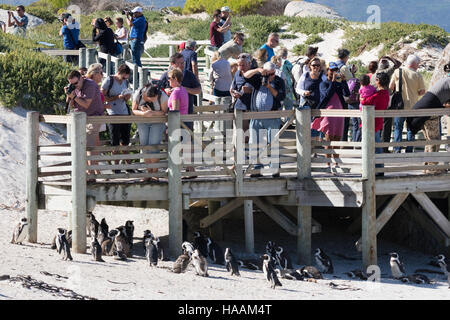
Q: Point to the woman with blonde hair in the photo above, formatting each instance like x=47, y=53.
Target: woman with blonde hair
x=261, y=57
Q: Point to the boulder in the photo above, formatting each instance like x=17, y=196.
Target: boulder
x=273, y=7
x=439, y=65
x=305, y=9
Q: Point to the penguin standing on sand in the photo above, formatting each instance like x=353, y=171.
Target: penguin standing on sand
x=62, y=245
x=182, y=262
x=311, y=272
x=147, y=235
x=159, y=247
x=323, y=261
x=108, y=243
x=121, y=244
x=283, y=258
x=269, y=271
x=397, y=267
x=231, y=263
x=20, y=231
x=129, y=228
x=187, y=248
x=201, y=243
x=270, y=249
x=215, y=252
x=445, y=267
x=92, y=226
x=200, y=263
x=151, y=252
x=102, y=231
x=96, y=250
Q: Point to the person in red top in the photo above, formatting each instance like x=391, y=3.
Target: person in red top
x=380, y=100
x=215, y=31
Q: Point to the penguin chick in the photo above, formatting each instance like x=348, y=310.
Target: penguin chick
x=96, y=250
x=20, y=231
x=215, y=252
x=323, y=261
x=108, y=244
x=311, y=272
x=181, y=263
x=416, y=278
x=269, y=271
x=151, y=252
x=397, y=267
x=231, y=263
x=200, y=263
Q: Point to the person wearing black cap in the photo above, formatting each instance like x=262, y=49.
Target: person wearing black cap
x=70, y=30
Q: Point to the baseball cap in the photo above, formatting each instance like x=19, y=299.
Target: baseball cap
x=183, y=45
x=136, y=9
x=225, y=8
x=191, y=43
x=333, y=65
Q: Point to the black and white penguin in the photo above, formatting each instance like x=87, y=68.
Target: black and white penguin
x=416, y=278
x=201, y=243
x=269, y=271
x=102, y=234
x=290, y=274
x=323, y=261
x=62, y=245
x=92, y=226
x=187, y=248
x=397, y=267
x=270, y=249
x=129, y=228
x=311, y=272
x=96, y=250
x=252, y=264
x=147, y=235
x=180, y=265
x=104, y=225
x=215, y=252
x=121, y=244
x=20, y=231
x=444, y=264
x=161, y=251
x=108, y=244
x=283, y=259
x=151, y=252
x=231, y=263
x=200, y=263
x=357, y=274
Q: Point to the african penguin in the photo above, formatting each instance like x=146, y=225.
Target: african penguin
x=200, y=263
x=104, y=225
x=181, y=263
x=323, y=261
x=200, y=243
x=269, y=271
x=215, y=252
x=270, y=248
x=416, y=278
x=121, y=244
x=290, y=274
x=62, y=245
x=20, y=231
x=147, y=235
x=311, y=272
x=96, y=250
x=252, y=264
x=161, y=253
x=102, y=235
x=397, y=267
x=445, y=267
x=92, y=226
x=151, y=252
x=129, y=228
x=231, y=263
x=188, y=248
x=357, y=274
x=283, y=258
x=108, y=244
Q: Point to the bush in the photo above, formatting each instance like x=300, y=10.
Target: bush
x=299, y=49
x=236, y=6
x=313, y=25
x=313, y=39
x=30, y=79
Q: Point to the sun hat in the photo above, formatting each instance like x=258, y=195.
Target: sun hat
x=137, y=9
x=225, y=8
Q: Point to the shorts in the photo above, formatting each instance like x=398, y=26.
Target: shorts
x=92, y=130
x=119, y=133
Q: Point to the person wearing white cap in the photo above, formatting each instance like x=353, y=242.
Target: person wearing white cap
x=138, y=34
x=225, y=21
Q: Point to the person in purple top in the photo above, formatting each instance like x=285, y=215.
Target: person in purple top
x=215, y=30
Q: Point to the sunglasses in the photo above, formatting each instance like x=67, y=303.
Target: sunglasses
x=315, y=65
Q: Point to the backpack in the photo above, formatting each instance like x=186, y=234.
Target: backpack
x=353, y=85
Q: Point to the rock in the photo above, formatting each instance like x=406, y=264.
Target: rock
x=304, y=9
x=439, y=70
x=33, y=21
x=273, y=7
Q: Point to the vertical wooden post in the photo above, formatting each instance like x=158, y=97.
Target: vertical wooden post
x=249, y=230
x=135, y=77
x=69, y=140
x=304, y=214
x=32, y=174
x=78, y=149
x=90, y=59
x=170, y=50
x=143, y=77
x=369, y=228
x=82, y=57
x=108, y=65
x=175, y=186
x=239, y=151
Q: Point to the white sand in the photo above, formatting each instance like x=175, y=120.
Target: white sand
x=136, y=280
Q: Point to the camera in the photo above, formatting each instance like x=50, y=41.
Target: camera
x=127, y=12
x=70, y=88
x=265, y=80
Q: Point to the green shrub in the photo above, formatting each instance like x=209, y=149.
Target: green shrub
x=30, y=79
x=299, y=49
x=313, y=25
x=314, y=38
x=237, y=6
x=288, y=36
x=176, y=10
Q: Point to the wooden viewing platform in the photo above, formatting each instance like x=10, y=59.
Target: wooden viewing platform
x=57, y=178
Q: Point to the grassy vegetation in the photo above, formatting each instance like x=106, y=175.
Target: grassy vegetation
x=314, y=25
x=236, y=6
x=314, y=38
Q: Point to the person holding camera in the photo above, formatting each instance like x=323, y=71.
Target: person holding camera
x=268, y=93
x=136, y=21
x=19, y=23
x=70, y=30
x=104, y=36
